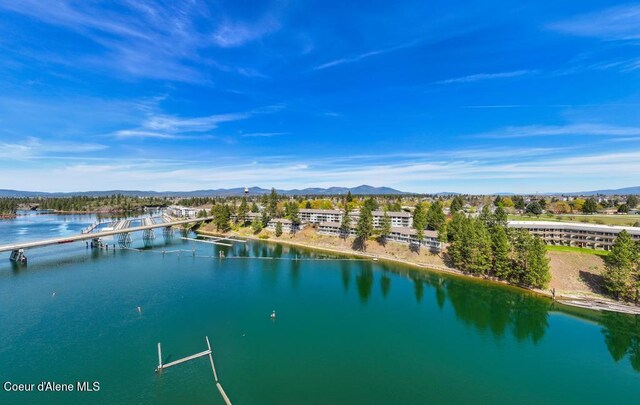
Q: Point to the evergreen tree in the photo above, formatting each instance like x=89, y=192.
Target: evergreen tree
x=500, y=216
x=294, y=213
x=621, y=268
x=501, y=250
x=590, y=206
x=256, y=225
x=278, y=229
x=264, y=218
x=345, y=224
x=242, y=211
x=221, y=217
x=456, y=204
x=478, y=257
x=364, y=227
x=537, y=274
x=632, y=201
x=254, y=207
x=419, y=222
x=518, y=202
x=460, y=242
x=385, y=226
x=534, y=208
x=273, y=203
x=486, y=216
x=435, y=216
x=307, y=205
x=520, y=242
x=349, y=197
x=497, y=201
x=454, y=226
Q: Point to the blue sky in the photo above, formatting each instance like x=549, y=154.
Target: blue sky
x=425, y=96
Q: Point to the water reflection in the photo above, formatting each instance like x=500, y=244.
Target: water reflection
x=345, y=272
x=364, y=282
x=385, y=284
x=622, y=337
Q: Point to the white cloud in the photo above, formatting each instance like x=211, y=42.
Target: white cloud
x=568, y=130
x=364, y=55
x=151, y=39
x=615, y=23
x=487, y=76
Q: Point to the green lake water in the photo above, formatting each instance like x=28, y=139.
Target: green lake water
x=347, y=331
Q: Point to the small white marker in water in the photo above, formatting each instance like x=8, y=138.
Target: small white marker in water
x=273, y=314
x=53, y=294
x=139, y=310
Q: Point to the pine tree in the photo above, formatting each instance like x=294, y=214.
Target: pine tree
x=486, y=216
x=537, y=274
x=501, y=249
x=364, y=227
x=254, y=207
x=500, y=216
x=621, y=268
x=273, y=203
x=435, y=216
x=479, y=255
x=242, y=211
x=256, y=225
x=520, y=242
x=385, y=226
x=345, y=224
x=349, y=197
x=278, y=229
x=456, y=204
x=419, y=222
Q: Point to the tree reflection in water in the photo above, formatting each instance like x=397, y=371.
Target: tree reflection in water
x=622, y=336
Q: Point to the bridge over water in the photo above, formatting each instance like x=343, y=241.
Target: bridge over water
x=123, y=228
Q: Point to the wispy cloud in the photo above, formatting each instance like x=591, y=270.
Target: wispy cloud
x=36, y=148
x=566, y=130
x=233, y=34
x=486, y=76
x=263, y=134
x=148, y=39
x=365, y=55
x=615, y=23
x=161, y=126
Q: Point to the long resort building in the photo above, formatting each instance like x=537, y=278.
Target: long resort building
x=581, y=235
x=317, y=216
x=398, y=234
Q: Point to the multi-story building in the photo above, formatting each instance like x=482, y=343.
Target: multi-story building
x=398, y=234
x=287, y=225
x=314, y=216
x=398, y=219
x=186, y=212
x=575, y=234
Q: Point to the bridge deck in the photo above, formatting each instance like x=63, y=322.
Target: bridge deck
x=86, y=236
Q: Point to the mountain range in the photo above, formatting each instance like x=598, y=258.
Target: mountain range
x=226, y=192
x=221, y=192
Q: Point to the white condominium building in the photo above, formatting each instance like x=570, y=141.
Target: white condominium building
x=575, y=234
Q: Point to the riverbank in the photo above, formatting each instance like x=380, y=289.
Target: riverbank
x=572, y=278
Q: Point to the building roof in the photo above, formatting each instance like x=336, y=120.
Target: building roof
x=318, y=211
x=411, y=231
x=281, y=220
x=393, y=214
x=573, y=226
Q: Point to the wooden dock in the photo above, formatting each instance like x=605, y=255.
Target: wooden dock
x=211, y=242
x=207, y=352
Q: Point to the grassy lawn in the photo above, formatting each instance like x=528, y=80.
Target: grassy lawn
x=622, y=220
x=577, y=250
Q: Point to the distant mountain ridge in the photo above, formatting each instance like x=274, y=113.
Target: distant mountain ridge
x=221, y=192
x=617, y=191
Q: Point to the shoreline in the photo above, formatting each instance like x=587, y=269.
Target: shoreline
x=596, y=304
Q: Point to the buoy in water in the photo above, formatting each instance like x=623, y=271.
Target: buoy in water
x=273, y=314
x=139, y=310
